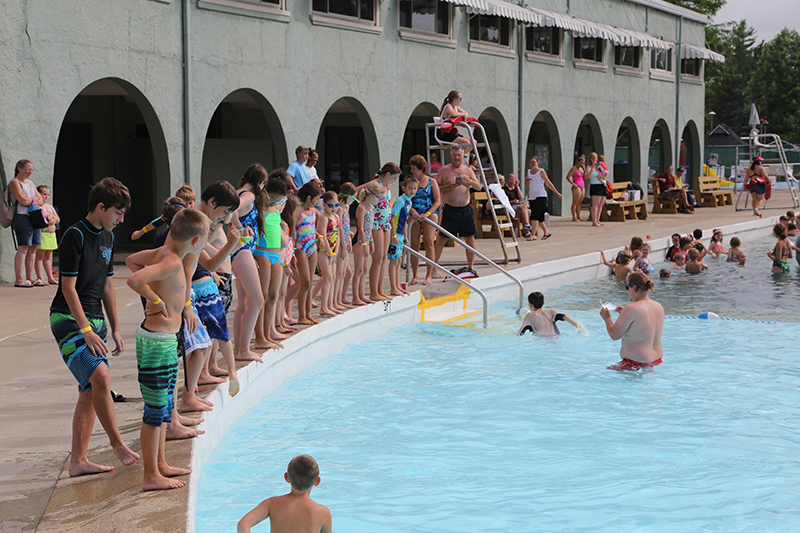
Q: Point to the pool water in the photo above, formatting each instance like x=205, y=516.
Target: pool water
x=446, y=428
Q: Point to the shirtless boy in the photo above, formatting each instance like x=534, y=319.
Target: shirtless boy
x=455, y=180
x=639, y=325
x=295, y=512
x=85, y=290
x=620, y=264
x=542, y=322
x=695, y=265
x=159, y=276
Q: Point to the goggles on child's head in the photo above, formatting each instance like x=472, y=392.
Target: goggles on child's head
x=276, y=202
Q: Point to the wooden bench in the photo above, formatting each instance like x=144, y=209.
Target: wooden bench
x=710, y=193
x=663, y=205
x=484, y=222
x=618, y=210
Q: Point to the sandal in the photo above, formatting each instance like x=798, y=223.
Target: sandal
x=547, y=236
x=27, y=283
x=530, y=238
x=39, y=283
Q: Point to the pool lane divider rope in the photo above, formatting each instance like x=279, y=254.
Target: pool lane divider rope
x=713, y=316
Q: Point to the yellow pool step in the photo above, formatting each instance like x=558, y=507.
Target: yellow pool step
x=446, y=309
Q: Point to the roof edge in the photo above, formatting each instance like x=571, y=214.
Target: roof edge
x=662, y=5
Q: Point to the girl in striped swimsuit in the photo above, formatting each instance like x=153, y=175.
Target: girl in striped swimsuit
x=306, y=246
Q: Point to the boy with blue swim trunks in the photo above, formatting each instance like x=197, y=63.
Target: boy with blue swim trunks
x=159, y=275
x=85, y=290
x=401, y=210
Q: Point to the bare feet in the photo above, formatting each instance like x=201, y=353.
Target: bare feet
x=125, y=454
x=173, y=471
x=289, y=320
x=216, y=371
x=248, y=356
x=177, y=431
x=278, y=337
x=188, y=420
x=194, y=404
x=306, y=321
x=286, y=329
x=160, y=482
x=326, y=311
x=268, y=345
x=85, y=468
x=427, y=281
x=413, y=281
x=208, y=379
x=398, y=293
x=233, y=387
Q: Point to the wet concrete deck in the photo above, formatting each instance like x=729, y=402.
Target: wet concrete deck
x=38, y=394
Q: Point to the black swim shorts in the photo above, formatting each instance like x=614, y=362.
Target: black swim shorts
x=460, y=221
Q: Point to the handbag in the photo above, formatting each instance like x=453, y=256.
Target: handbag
x=37, y=217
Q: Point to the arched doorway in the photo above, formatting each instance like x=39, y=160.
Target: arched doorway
x=496, y=129
x=244, y=129
x=544, y=142
x=660, y=153
x=414, y=135
x=110, y=129
x=627, y=161
x=689, y=154
x=347, y=145
x=589, y=138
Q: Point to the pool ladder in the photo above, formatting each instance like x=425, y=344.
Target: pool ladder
x=464, y=283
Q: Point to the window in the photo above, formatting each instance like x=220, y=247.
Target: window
x=690, y=67
x=490, y=29
x=425, y=15
x=627, y=56
x=543, y=40
x=588, y=49
x=359, y=9
x=661, y=60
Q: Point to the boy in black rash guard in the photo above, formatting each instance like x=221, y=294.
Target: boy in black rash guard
x=542, y=322
x=85, y=290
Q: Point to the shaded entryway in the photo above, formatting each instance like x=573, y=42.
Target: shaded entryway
x=544, y=142
x=110, y=129
x=588, y=139
x=347, y=145
x=690, y=155
x=627, y=161
x=660, y=153
x=243, y=130
x=414, y=135
x=496, y=129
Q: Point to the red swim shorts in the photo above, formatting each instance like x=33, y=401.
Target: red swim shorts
x=628, y=364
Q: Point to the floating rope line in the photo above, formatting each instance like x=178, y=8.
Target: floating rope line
x=712, y=316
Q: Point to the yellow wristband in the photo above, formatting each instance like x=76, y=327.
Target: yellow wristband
x=157, y=301
x=87, y=329
x=188, y=303
x=144, y=229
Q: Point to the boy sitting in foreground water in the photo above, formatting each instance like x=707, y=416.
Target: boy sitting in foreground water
x=295, y=512
x=542, y=322
x=159, y=276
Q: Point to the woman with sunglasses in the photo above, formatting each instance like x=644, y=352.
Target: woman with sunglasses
x=451, y=109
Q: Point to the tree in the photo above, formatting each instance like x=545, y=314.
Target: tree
x=727, y=90
x=706, y=7
x=775, y=84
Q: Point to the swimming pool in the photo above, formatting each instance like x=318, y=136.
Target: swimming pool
x=483, y=430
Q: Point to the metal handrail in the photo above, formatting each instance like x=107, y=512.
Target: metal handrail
x=461, y=281
x=476, y=252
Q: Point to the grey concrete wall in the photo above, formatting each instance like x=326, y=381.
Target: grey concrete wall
x=51, y=51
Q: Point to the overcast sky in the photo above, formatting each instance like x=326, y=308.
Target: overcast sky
x=768, y=17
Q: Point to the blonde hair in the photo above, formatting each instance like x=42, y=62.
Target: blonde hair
x=188, y=224
x=375, y=188
x=186, y=193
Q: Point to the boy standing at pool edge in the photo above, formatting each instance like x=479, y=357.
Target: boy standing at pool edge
x=295, y=512
x=85, y=290
x=159, y=276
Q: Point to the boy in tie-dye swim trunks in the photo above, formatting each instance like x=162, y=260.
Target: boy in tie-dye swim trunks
x=159, y=276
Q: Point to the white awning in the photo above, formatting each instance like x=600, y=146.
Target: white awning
x=689, y=51
x=586, y=28
x=473, y=6
x=504, y=9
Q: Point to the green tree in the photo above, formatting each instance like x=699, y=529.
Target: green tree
x=775, y=84
x=707, y=7
x=727, y=91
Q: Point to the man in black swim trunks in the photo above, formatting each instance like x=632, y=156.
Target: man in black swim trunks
x=455, y=180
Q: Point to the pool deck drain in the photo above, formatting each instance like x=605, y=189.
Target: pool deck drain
x=38, y=394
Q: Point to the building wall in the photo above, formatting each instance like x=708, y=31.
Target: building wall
x=297, y=70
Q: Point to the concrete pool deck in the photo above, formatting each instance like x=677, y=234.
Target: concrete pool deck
x=38, y=394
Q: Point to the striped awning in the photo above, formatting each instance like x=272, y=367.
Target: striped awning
x=473, y=6
x=587, y=28
x=501, y=8
x=689, y=51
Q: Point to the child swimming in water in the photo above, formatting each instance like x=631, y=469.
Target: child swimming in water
x=781, y=252
x=620, y=264
x=542, y=322
x=734, y=250
x=680, y=261
x=643, y=261
x=695, y=265
x=716, y=248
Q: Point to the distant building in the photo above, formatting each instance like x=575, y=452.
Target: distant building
x=158, y=92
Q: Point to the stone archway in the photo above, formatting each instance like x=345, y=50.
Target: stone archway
x=111, y=129
x=544, y=142
x=627, y=164
x=499, y=139
x=660, y=153
x=690, y=155
x=414, y=135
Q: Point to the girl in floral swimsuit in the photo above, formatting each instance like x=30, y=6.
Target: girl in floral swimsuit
x=363, y=244
x=381, y=230
x=306, y=238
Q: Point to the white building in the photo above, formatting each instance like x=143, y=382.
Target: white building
x=158, y=92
